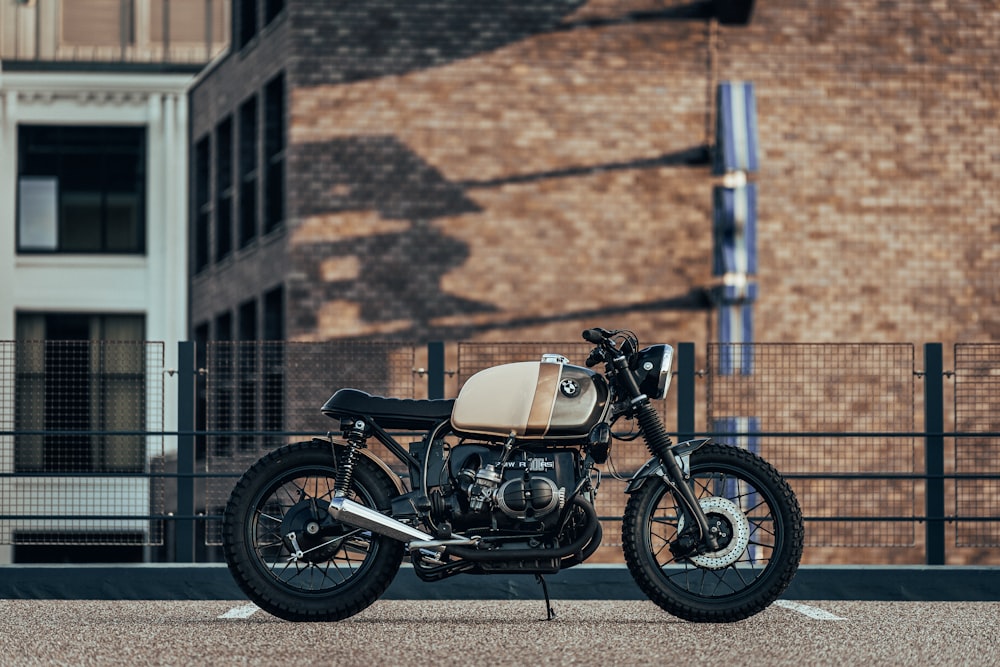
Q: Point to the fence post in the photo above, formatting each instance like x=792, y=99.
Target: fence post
x=934, y=452
x=435, y=369
x=685, y=391
x=184, y=527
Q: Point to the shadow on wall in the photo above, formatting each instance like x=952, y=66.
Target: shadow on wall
x=398, y=274
x=395, y=277
x=351, y=41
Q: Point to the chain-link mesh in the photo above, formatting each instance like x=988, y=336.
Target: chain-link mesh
x=77, y=419
x=977, y=410
x=89, y=417
x=827, y=390
x=261, y=395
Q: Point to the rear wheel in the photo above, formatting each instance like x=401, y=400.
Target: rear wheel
x=288, y=554
x=760, y=538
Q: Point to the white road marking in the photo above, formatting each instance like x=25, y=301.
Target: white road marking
x=812, y=612
x=246, y=611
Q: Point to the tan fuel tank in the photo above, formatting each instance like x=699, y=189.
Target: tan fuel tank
x=535, y=400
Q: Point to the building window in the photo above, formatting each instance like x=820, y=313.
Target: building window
x=220, y=375
x=272, y=391
x=248, y=171
x=224, y=326
x=81, y=189
x=245, y=13
x=202, y=204
x=80, y=373
x=274, y=314
x=184, y=22
x=247, y=320
x=271, y=9
x=224, y=188
x=247, y=405
x=274, y=153
x=96, y=23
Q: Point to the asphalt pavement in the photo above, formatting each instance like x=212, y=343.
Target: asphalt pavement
x=496, y=632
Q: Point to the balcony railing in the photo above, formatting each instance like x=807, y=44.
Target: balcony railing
x=893, y=455
x=113, y=32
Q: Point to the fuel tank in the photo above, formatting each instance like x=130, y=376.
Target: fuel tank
x=550, y=399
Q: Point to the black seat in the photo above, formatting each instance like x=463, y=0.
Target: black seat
x=399, y=413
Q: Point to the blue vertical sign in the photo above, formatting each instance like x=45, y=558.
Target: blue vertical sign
x=735, y=230
x=742, y=432
x=735, y=305
x=734, y=223
x=736, y=144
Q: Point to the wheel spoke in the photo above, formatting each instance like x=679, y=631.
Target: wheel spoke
x=328, y=560
x=746, y=568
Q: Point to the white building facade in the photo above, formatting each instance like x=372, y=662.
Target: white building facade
x=133, y=287
x=93, y=248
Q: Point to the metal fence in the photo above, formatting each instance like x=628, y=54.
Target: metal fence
x=977, y=456
x=850, y=487
x=82, y=442
x=887, y=469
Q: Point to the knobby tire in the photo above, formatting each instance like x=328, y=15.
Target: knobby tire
x=344, y=571
x=765, y=567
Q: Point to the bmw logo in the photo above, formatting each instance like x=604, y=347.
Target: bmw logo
x=569, y=388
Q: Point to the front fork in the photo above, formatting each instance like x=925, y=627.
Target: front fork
x=660, y=446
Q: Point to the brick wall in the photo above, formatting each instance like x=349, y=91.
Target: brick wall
x=879, y=126
x=520, y=170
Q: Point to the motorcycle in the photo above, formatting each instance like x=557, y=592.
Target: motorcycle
x=504, y=480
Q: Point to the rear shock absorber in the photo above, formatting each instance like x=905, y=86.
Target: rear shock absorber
x=356, y=432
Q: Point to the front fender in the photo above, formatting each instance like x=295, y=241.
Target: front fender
x=654, y=468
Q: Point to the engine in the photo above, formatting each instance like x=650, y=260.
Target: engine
x=526, y=492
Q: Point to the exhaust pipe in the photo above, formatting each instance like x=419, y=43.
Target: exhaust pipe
x=359, y=516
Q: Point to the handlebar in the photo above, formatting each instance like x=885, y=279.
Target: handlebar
x=602, y=339
x=597, y=336
x=610, y=344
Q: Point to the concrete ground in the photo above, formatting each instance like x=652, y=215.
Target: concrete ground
x=496, y=632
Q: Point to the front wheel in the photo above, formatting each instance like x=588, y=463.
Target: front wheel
x=760, y=538
x=288, y=554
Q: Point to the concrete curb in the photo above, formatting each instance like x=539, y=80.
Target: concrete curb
x=609, y=582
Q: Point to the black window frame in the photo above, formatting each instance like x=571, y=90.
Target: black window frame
x=95, y=147
x=272, y=9
x=248, y=130
x=275, y=144
x=224, y=189
x=245, y=16
x=72, y=375
x=202, y=204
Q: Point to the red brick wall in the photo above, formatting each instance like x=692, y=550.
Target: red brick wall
x=539, y=163
x=879, y=133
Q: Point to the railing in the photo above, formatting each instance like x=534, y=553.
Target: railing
x=178, y=32
x=886, y=473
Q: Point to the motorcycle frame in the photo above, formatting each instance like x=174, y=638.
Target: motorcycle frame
x=668, y=463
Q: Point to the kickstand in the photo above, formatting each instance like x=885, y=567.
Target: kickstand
x=548, y=604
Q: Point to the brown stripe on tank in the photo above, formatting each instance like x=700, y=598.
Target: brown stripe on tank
x=541, y=406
